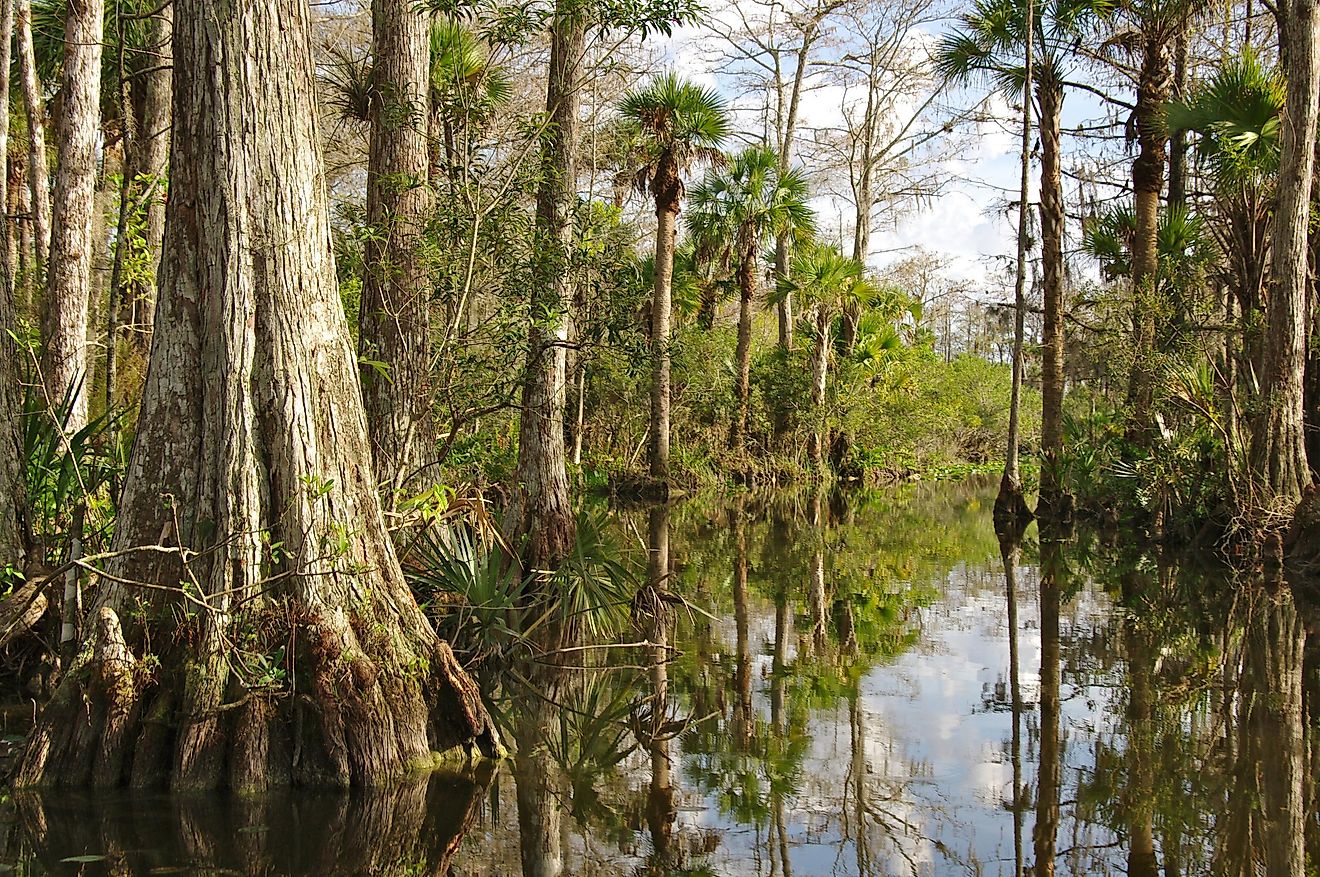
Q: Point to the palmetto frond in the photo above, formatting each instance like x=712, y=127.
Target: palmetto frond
x=1237, y=117
x=988, y=43
x=735, y=208
x=819, y=275
x=672, y=124
x=463, y=79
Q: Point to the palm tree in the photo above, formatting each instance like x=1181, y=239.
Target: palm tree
x=677, y=124
x=734, y=212
x=989, y=46
x=1148, y=30
x=824, y=281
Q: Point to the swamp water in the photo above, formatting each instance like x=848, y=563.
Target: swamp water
x=860, y=690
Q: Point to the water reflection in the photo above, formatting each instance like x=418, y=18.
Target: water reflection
x=820, y=684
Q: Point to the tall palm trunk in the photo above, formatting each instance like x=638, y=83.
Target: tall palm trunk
x=666, y=230
x=1154, y=85
x=69, y=273
x=540, y=509
x=395, y=320
x=1278, y=454
x=743, y=355
x=38, y=169
x=251, y=435
x=1052, y=217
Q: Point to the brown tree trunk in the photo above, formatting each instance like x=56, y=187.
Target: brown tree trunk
x=1278, y=453
x=743, y=355
x=150, y=164
x=250, y=480
x=38, y=169
x=1153, y=88
x=666, y=215
x=820, y=367
x=395, y=321
x=540, y=511
x=64, y=359
x=13, y=554
x=1052, y=217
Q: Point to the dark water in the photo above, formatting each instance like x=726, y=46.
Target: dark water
x=859, y=690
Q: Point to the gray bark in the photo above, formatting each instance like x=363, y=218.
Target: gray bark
x=540, y=511
x=1278, y=454
x=69, y=273
x=661, y=308
x=38, y=170
x=395, y=324
x=252, y=457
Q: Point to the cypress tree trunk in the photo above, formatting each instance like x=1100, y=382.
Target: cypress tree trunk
x=1052, y=217
x=1278, y=453
x=743, y=355
x=149, y=164
x=395, y=323
x=666, y=215
x=250, y=480
x=38, y=171
x=540, y=509
x=69, y=274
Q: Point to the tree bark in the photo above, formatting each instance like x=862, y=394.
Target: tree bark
x=250, y=480
x=38, y=169
x=395, y=322
x=149, y=164
x=1010, y=506
x=69, y=273
x=820, y=367
x=1052, y=218
x=540, y=516
x=743, y=354
x=666, y=229
x=1154, y=85
x=1278, y=454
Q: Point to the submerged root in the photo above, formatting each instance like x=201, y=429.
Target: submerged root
x=354, y=714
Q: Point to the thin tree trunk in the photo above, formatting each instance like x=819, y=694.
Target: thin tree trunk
x=661, y=307
x=395, y=322
x=150, y=165
x=69, y=272
x=38, y=169
x=13, y=500
x=743, y=354
x=540, y=511
x=1009, y=504
x=820, y=366
x=783, y=247
x=251, y=454
x=1052, y=218
x=1278, y=455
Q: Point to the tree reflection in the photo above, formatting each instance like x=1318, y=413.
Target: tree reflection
x=410, y=829
x=1049, y=770
x=1010, y=548
x=1265, y=830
